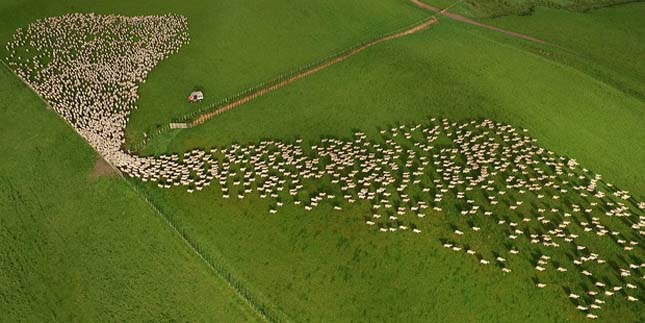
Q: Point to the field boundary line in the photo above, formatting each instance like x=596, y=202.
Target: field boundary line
x=199, y=116
x=457, y=17
x=307, y=71
x=262, y=311
x=444, y=12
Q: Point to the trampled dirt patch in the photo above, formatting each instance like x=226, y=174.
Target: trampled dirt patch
x=102, y=169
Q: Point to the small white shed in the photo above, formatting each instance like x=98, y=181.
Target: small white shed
x=196, y=96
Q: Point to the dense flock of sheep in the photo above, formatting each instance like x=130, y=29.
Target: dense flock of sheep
x=88, y=68
x=488, y=179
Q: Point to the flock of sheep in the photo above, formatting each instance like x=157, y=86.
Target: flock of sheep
x=88, y=68
x=486, y=179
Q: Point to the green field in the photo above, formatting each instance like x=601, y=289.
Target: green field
x=80, y=248
x=603, y=43
x=497, y=8
x=433, y=73
x=234, y=45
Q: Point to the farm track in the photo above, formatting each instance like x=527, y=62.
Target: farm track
x=425, y=25
x=418, y=28
x=226, y=277
x=456, y=17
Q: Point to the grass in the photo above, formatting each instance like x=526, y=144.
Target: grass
x=275, y=38
x=606, y=42
x=497, y=8
x=318, y=264
x=234, y=44
x=315, y=265
x=434, y=73
x=83, y=249
x=603, y=43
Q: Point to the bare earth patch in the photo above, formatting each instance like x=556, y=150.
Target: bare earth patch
x=102, y=168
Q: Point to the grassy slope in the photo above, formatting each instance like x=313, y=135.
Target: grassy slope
x=436, y=74
x=606, y=44
x=81, y=249
x=328, y=266
x=234, y=44
x=239, y=44
x=319, y=264
x=496, y=8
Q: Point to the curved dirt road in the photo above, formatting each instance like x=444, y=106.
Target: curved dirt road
x=423, y=26
x=463, y=19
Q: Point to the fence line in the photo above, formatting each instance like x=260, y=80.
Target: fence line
x=267, y=312
x=264, y=311
x=409, y=29
x=330, y=59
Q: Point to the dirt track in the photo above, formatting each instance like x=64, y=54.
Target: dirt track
x=432, y=20
x=463, y=19
x=201, y=119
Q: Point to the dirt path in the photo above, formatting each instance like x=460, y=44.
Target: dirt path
x=463, y=19
x=201, y=119
x=432, y=20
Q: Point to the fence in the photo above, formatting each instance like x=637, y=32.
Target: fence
x=182, y=125
x=267, y=312
x=187, y=118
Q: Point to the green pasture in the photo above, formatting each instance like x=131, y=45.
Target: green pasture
x=452, y=70
x=497, y=8
x=329, y=266
x=77, y=248
x=74, y=248
x=606, y=44
x=603, y=42
x=235, y=45
x=316, y=265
